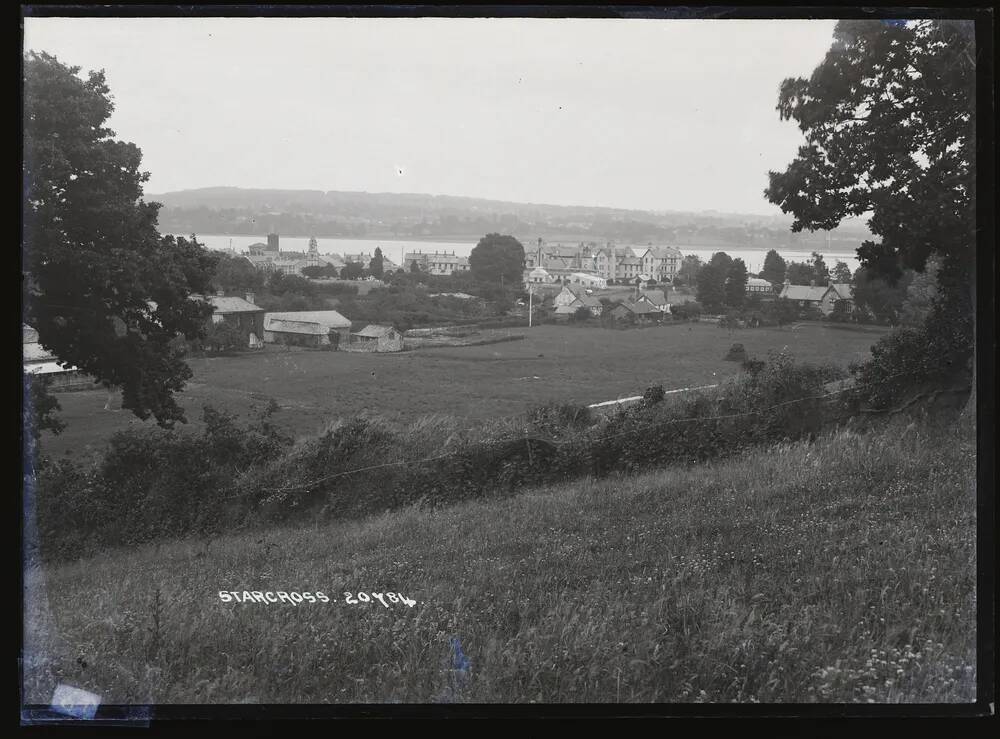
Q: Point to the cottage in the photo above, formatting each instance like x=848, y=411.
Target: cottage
x=238, y=312
x=571, y=297
x=637, y=311
x=818, y=296
x=375, y=338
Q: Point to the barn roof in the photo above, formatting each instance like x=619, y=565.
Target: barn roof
x=374, y=331
x=327, y=318
x=294, y=327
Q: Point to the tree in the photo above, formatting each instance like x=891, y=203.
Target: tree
x=351, y=271
x=841, y=273
x=105, y=291
x=236, y=273
x=498, y=258
x=920, y=295
x=712, y=281
x=889, y=122
x=319, y=271
x=415, y=267
x=879, y=296
x=690, y=267
x=800, y=273
x=774, y=268
x=736, y=284
x=376, y=266
x=820, y=272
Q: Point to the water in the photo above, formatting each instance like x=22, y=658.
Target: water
x=394, y=249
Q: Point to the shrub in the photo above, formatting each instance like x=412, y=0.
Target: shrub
x=736, y=353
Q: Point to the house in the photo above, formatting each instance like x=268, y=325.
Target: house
x=639, y=311
x=758, y=286
x=290, y=329
x=538, y=275
x=655, y=298
x=238, y=312
x=571, y=298
x=822, y=297
x=375, y=338
x=39, y=362
x=844, y=292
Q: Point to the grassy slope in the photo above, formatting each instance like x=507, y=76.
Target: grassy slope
x=838, y=571
x=580, y=365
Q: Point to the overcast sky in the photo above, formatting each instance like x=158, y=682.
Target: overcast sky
x=651, y=114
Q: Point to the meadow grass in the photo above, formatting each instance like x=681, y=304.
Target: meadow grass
x=566, y=364
x=837, y=571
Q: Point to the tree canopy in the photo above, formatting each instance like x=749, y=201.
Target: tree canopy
x=889, y=122
x=498, y=258
x=105, y=291
x=774, y=268
x=376, y=265
x=736, y=283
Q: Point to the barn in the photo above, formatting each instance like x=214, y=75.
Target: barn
x=335, y=326
x=375, y=338
x=298, y=333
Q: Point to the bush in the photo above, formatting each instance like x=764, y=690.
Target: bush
x=736, y=353
x=686, y=311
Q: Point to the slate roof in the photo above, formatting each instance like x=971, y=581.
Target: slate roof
x=374, y=331
x=804, y=292
x=221, y=304
x=843, y=289
x=294, y=327
x=326, y=318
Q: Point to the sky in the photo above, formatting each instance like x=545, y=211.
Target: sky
x=639, y=113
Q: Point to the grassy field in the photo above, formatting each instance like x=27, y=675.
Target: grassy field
x=565, y=363
x=839, y=571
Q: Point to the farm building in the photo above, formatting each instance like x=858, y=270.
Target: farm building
x=375, y=338
x=298, y=333
x=332, y=324
x=38, y=362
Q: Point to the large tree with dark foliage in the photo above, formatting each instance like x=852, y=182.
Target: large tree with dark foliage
x=377, y=264
x=498, y=258
x=736, y=284
x=774, y=268
x=103, y=289
x=711, y=281
x=889, y=122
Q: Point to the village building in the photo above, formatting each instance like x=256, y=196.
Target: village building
x=758, y=286
x=823, y=297
x=638, y=311
x=571, y=298
x=436, y=263
x=238, y=312
x=375, y=338
x=319, y=328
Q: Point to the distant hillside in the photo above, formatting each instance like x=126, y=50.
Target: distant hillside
x=234, y=210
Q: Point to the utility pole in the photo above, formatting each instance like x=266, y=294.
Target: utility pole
x=530, y=295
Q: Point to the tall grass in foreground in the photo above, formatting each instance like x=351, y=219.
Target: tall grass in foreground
x=838, y=571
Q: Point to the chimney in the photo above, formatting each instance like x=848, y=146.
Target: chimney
x=250, y=296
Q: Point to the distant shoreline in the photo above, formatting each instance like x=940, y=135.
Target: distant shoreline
x=833, y=249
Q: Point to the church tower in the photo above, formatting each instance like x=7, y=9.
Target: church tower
x=313, y=248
